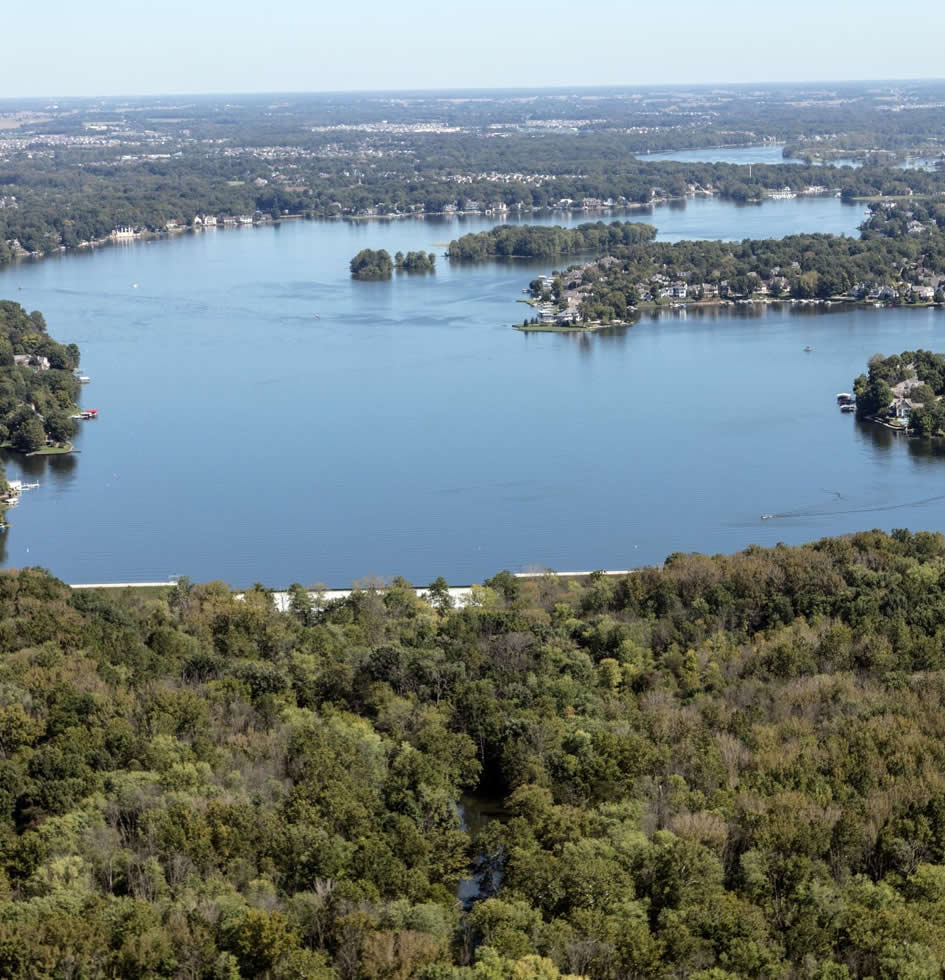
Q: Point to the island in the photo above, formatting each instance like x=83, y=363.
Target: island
x=375, y=264
x=415, y=261
x=372, y=264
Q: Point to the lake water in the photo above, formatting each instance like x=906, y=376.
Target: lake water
x=761, y=153
x=766, y=153
x=407, y=430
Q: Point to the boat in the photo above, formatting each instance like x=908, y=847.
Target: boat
x=848, y=408
x=18, y=486
x=808, y=348
x=83, y=379
x=767, y=517
x=844, y=398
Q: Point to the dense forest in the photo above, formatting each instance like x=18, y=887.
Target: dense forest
x=539, y=241
x=730, y=767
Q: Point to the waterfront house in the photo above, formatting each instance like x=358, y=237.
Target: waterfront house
x=567, y=317
x=33, y=361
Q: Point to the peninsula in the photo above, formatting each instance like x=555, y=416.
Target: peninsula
x=38, y=388
x=904, y=391
x=887, y=264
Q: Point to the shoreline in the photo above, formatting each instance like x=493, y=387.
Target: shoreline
x=167, y=234
x=500, y=216
x=66, y=450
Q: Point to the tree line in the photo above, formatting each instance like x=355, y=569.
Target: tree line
x=540, y=241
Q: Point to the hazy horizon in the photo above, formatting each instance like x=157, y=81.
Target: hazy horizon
x=215, y=48
x=714, y=84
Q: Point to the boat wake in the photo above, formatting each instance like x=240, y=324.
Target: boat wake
x=874, y=509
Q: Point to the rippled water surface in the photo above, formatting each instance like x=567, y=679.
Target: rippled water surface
x=264, y=418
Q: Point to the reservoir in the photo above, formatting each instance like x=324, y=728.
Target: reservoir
x=264, y=418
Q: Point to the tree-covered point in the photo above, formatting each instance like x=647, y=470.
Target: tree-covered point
x=38, y=389
x=909, y=386
x=727, y=768
x=372, y=263
x=421, y=261
x=543, y=241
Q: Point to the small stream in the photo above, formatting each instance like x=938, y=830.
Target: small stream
x=476, y=811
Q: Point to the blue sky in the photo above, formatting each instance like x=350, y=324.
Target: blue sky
x=107, y=47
